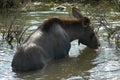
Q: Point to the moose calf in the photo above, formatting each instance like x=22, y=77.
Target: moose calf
x=52, y=41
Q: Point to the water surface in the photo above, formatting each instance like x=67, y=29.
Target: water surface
x=82, y=63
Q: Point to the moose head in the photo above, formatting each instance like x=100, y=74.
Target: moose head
x=80, y=28
x=88, y=36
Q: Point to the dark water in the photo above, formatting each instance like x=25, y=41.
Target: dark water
x=82, y=63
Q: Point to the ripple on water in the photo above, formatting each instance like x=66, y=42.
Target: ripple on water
x=74, y=78
x=107, y=71
x=107, y=54
x=107, y=65
x=45, y=12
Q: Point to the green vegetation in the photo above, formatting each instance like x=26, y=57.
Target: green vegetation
x=8, y=3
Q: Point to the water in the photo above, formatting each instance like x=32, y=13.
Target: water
x=82, y=63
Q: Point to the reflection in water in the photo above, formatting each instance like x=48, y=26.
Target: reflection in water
x=86, y=58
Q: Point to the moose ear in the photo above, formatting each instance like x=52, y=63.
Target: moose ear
x=76, y=13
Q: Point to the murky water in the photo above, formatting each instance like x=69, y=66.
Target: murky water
x=82, y=63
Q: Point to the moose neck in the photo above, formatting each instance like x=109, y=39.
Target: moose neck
x=73, y=29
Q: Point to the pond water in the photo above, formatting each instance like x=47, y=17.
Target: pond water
x=82, y=63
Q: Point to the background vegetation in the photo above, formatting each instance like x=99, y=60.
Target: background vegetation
x=15, y=3
x=97, y=9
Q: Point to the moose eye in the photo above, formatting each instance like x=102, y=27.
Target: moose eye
x=92, y=35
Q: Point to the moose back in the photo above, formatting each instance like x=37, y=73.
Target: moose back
x=51, y=41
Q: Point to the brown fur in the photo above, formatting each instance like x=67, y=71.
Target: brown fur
x=64, y=22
